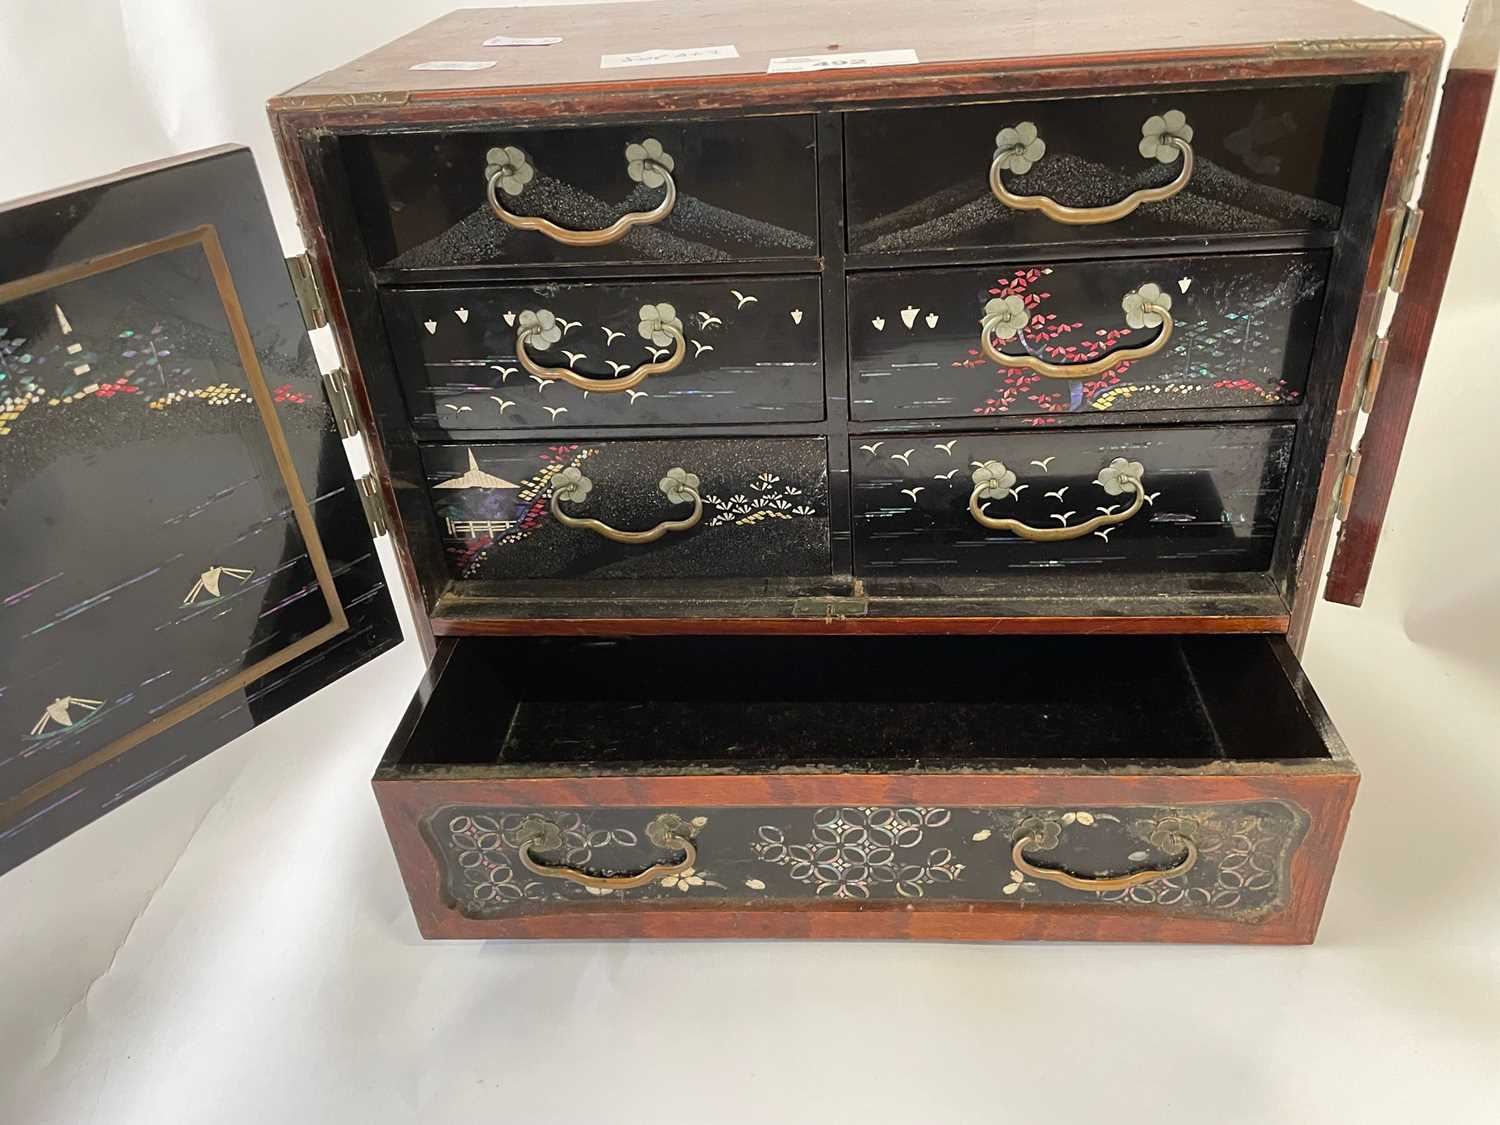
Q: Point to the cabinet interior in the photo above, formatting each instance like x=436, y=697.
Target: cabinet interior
x=1266, y=595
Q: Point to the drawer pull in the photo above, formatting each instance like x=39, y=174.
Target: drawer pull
x=1165, y=137
x=1099, y=882
x=539, y=329
x=509, y=169
x=666, y=831
x=1007, y=318
x=679, y=485
x=993, y=480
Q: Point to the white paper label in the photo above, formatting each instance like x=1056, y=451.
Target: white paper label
x=454, y=64
x=515, y=41
x=666, y=56
x=904, y=57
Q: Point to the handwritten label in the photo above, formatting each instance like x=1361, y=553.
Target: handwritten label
x=521, y=41
x=454, y=64
x=666, y=56
x=904, y=57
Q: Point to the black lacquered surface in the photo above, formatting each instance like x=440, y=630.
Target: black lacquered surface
x=1243, y=333
x=753, y=354
x=1215, y=494
x=765, y=508
x=746, y=189
x=1268, y=160
x=161, y=594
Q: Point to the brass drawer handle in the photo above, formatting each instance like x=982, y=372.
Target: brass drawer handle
x=1165, y=137
x=679, y=485
x=992, y=480
x=1008, y=317
x=538, y=328
x=1102, y=882
x=509, y=169
x=666, y=831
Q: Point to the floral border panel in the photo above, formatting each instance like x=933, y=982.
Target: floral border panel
x=880, y=854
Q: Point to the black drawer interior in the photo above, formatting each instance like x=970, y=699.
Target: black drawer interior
x=591, y=705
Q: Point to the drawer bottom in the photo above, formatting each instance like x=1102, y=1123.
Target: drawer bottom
x=1146, y=788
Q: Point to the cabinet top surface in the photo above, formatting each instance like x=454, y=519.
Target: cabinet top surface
x=944, y=37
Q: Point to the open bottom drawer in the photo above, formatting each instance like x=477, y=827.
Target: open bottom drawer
x=1113, y=788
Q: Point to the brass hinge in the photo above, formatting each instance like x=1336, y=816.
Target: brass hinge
x=341, y=399
x=1372, y=373
x=1410, y=225
x=369, y=499
x=309, y=292
x=1345, y=490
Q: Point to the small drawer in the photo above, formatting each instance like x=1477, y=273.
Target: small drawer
x=1105, y=501
x=868, y=787
x=504, y=357
x=1226, y=330
x=732, y=508
x=1253, y=161
x=653, y=191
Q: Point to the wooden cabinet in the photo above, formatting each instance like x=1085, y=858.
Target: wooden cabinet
x=842, y=501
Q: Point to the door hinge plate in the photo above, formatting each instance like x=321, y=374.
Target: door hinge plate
x=341, y=399
x=1345, y=491
x=1372, y=373
x=369, y=499
x=309, y=293
x=1411, y=224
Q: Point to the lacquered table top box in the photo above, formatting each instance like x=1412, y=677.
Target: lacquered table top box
x=856, y=475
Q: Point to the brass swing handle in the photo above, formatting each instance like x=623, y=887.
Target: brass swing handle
x=679, y=485
x=539, y=328
x=666, y=831
x=1103, y=882
x=509, y=170
x=1166, y=137
x=1007, y=317
x=993, y=480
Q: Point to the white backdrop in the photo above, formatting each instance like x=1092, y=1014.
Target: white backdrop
x=235, y=945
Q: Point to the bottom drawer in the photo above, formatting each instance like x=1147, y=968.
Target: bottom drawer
x=1120, y=788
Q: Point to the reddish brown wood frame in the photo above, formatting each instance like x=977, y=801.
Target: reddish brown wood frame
x=1445, y=190
x=383, y=96
x=1325, y=793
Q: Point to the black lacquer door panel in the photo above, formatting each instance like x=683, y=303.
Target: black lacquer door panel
x=1243, y=327
x=762, y=511
x=745, y=189
x=1211, y=500
x=185, y=552
x=1266, y=160
x=752, y=353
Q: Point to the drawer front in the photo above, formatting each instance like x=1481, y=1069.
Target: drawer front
x=1210, y=501
x=729, y=351
x=740, y=507
x=1241, y=334
x=1265, y=160
x=1227, y=861
x=743, y=189
x=867, y=787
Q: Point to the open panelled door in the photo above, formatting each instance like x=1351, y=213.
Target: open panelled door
x=185, y=552
x=1420, y=273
